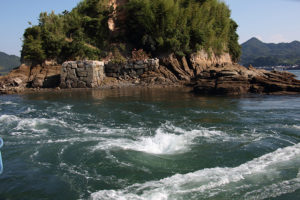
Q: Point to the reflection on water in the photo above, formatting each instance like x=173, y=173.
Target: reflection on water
x=171, y=95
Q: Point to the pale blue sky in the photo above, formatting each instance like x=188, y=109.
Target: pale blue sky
x=269, y=20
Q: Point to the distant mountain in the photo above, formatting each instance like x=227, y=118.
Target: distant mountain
x=8, y=62
x=260, y=54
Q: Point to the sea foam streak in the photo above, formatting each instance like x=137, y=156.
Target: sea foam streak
x=296, y=127
x=274, y=190
x=7, y=103
x=29, y=124
x=209, y=182
x=162, y=142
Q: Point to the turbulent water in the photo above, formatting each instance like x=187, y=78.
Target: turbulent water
x=152, y=144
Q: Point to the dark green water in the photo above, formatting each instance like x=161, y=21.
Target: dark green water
x=149, y=144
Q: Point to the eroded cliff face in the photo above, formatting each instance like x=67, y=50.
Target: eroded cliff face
x=26, y=76
x=218, y=75
x=211, y=74
x=117, y=18
x=188, y=68
x=237, y=80
x=202, y=60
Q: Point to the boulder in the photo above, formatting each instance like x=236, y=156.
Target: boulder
x=17, y=81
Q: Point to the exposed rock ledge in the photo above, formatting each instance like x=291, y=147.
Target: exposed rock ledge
x=237, y=80
x=39, y=76
x=206, y=74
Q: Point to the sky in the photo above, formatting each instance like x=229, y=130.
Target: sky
x=269, y=20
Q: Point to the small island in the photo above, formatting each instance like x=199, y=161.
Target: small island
x=100, y=44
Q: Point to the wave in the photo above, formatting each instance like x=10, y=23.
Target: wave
x=7, y=103
x=29, y=110
x=8, y=118
x=67, y=107
x=207, y=183
x=21, y=126
x=163, y=142
x=296, y=126
x=274, y=190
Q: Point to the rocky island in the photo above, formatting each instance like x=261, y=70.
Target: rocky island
x=181, y=43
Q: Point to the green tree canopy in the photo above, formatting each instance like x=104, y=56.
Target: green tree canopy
x=157, y=26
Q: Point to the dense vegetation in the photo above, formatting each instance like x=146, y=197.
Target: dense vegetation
x=157, y=26
x=8, y=62
x=260, y=54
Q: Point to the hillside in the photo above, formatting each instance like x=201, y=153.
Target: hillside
x=97, y=29
x=8, y=62
x=259, y=54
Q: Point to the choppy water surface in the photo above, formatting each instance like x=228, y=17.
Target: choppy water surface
x=149, y=144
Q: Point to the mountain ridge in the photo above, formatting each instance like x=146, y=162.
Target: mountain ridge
x=258, y=53
x=8, y=62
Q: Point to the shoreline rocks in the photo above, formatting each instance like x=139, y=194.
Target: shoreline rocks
x=239, y=80
x=208, y=75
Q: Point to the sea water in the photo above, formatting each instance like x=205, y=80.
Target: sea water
x=149, y=144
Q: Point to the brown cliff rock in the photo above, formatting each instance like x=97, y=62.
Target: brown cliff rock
x=180, y=69
x=161, y=76
x=213, y=74
x=46, y=76
x=237, y=80
x=202, y=60
x=207, y=74
x=117, y=19
x=39, y=76
x=15, y=81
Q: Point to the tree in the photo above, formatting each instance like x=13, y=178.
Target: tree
x=157, y=26
x=32, y=45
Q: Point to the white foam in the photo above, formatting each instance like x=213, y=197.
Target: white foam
x=7, y=103
x=296, y=127
x=35, y=124
x=274, y=190
x=162, y=142
x=29, y=110
x=206, y=182
x=67, y=107
x=8, y=118
x=167, y=143
x=23, y=125
x=69, y=140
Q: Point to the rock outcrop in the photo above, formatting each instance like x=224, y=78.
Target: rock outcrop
x=188, y=68
x=201, y=60
x=117, y=19
x=207, y=74
x=39, y=76
x=238, y=80
x=45, y=76
x=218, y=75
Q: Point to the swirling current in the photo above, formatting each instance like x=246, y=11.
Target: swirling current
x=149, y=144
